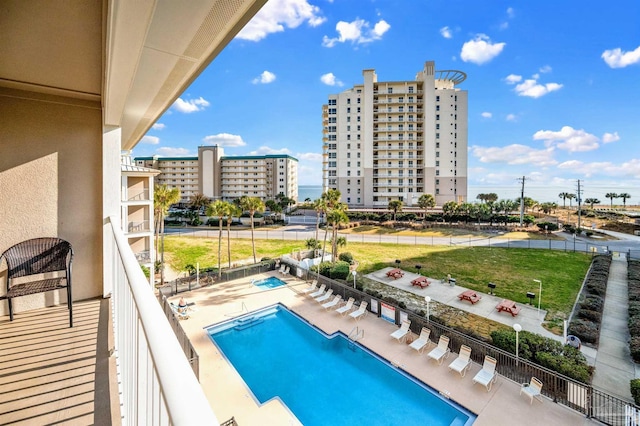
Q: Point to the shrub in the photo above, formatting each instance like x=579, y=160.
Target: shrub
x=593, y=303
x=634, y=346
x=346, y=257
x=146, y=271
x=586, y=330
x=635, y=390
x=549, y=226
x=588, y=314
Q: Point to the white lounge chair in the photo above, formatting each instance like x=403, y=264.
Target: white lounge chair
x=441, y=351
x=333, y=303
x=533, y=389
x=281, y=270
x=344, y=310
x=324, y=297
x=312, y=287
x=462, y=363
x=180, y=312
x=286, y=271
x=361, y=312
x=401, y=334
x=318, y=292
x=422, y=342
x=487, y=376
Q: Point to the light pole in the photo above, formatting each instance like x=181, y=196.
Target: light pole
x=428, y=300
x=539, y=295
x=354, y=277
x=518, y=329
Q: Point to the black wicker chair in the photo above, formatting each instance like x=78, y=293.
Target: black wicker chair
x=41, y=257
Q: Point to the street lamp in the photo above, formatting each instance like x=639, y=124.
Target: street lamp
x=428, y=300
x=354, y=277
x=518, y=329
x=539, y=295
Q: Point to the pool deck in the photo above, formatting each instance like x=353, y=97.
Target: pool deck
x=230, y=398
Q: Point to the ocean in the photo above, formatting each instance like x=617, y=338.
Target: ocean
x=312, y=192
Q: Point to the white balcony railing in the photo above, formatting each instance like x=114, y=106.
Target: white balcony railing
x=157, y=384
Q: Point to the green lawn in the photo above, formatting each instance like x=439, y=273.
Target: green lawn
x=512, y=270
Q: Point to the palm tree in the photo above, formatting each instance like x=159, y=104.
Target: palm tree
x=395, y=206
x=611, y=196
x=564, y=196
x=340, y=242
x=163, y=198
x=331, y=198
x=426, y=201
x=624, y=197
x=336, y=217
x=198, y=201
x=252, y=205
x=592, y=201
x=450, y=208
x=320, y=206
x=218, y=209
x=571, y=197
x=232, y=210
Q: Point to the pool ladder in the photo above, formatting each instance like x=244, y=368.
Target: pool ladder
x=354, y=335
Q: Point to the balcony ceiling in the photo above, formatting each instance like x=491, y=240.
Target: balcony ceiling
x=134, y=58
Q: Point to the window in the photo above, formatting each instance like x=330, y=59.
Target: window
x=437, y=144
x=438, y=126
x=437, y=107
x=332, y=110
x=358, y=110
x=348, y=119
x=358, y=164
x=348, y=200
x=348, y=146
x=401, y=99
x=358, y=128
x=437, y=116
x=437, y=98
x=349, y=110
x=348, y=163
x=348, y=128
x=437, y=163
x=358, y=98
x=358, y=137
x=332, y=102
x=400, y=109
x=348, y=101
x=401, y=118
x=348, y=172
x=390, y=90
x=437, y=172
x=410, y=91
x=358, y=119
x=437, y=191
x=410, y=97
x=348, y=137
x=437, y=135
x=358, y=173
x=437, y=181
x=348, y=155
x=437, y=154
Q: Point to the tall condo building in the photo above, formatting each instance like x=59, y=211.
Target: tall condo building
x=222, y=177
x=397, y=140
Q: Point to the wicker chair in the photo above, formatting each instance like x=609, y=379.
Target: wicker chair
x=38, y=258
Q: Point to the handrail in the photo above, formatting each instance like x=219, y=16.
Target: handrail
x=139, y=321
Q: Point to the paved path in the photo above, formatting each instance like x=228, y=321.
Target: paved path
x=614, y=367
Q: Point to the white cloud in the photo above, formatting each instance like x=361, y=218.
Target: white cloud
x=265, y=150
x=568, y=139
x=224, y=139
x=309, y=156
x=330, y=80
x=446, y=32
x=510, y=12
x=513, y=78
x=172, y=152
x=530, y=87
x=630, y=168
x=265, y=78
x=275, y=15
x=357, y=32
x=192, y=105
x=514, y=154
x=486, y=114
x=511, y=117
x=151, y=140
x=545, y=69
x=610, y=137
x=616, y=58
x=480, y=50
x=158, y=126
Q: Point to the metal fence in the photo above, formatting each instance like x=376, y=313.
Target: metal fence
x=586, y=399
x=183, y=339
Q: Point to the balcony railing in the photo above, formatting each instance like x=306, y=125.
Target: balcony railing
x=139, y=226
x=157, y=384
x=138, y=195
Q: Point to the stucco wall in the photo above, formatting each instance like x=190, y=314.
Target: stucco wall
x=51, y=184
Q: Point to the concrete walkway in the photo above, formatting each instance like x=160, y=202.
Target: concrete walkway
x=614, y=367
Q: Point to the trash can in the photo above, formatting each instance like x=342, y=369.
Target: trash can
x=574, y=341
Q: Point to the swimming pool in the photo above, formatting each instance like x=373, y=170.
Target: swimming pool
x=326, y=379
x=270, y=282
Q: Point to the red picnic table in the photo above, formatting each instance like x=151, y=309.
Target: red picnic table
x=470, y=295
x=395, y=274
x=508, y=306
x=421, y=282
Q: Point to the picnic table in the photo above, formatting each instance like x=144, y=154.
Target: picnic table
x=395, y=274
x=421, y=282
x=508, y=306
x=470, y=295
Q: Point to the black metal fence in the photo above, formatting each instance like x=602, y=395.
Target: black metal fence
x=582, y=397
x=183, y=339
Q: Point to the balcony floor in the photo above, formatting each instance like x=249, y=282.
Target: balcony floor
x=55, y=374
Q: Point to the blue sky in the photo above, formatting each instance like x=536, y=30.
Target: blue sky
x=554, y=87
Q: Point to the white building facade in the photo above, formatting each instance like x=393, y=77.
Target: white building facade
x=385, y=141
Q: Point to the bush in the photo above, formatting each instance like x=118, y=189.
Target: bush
x=146, y=271
x=586, y=330
x=593, y=303
x=635, y=390
x=549, y=226
x=634, y=346
x=346, y=257
x=588, y=314
x=337, y=271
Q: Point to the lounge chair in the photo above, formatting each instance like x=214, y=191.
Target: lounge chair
x=180, y=312
x=281, y=270
x=462, y=363
x=361, y=312
x=401, y=334
x=344, y=310
x=422, y=342
x=533, y=389
x=441, y=351
x=487, y=376
x=312, y=287
x=318, y=292
x=286, y=271
x=336, y=300
x=324, y=297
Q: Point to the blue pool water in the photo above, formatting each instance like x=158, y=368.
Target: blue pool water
x=326, y=380
x=271, y=282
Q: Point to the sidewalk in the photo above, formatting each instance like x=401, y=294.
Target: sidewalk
x=614, y=367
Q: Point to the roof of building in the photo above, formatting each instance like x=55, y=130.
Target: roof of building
x=158, y=158
x=130, y=168
x=257, y=157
